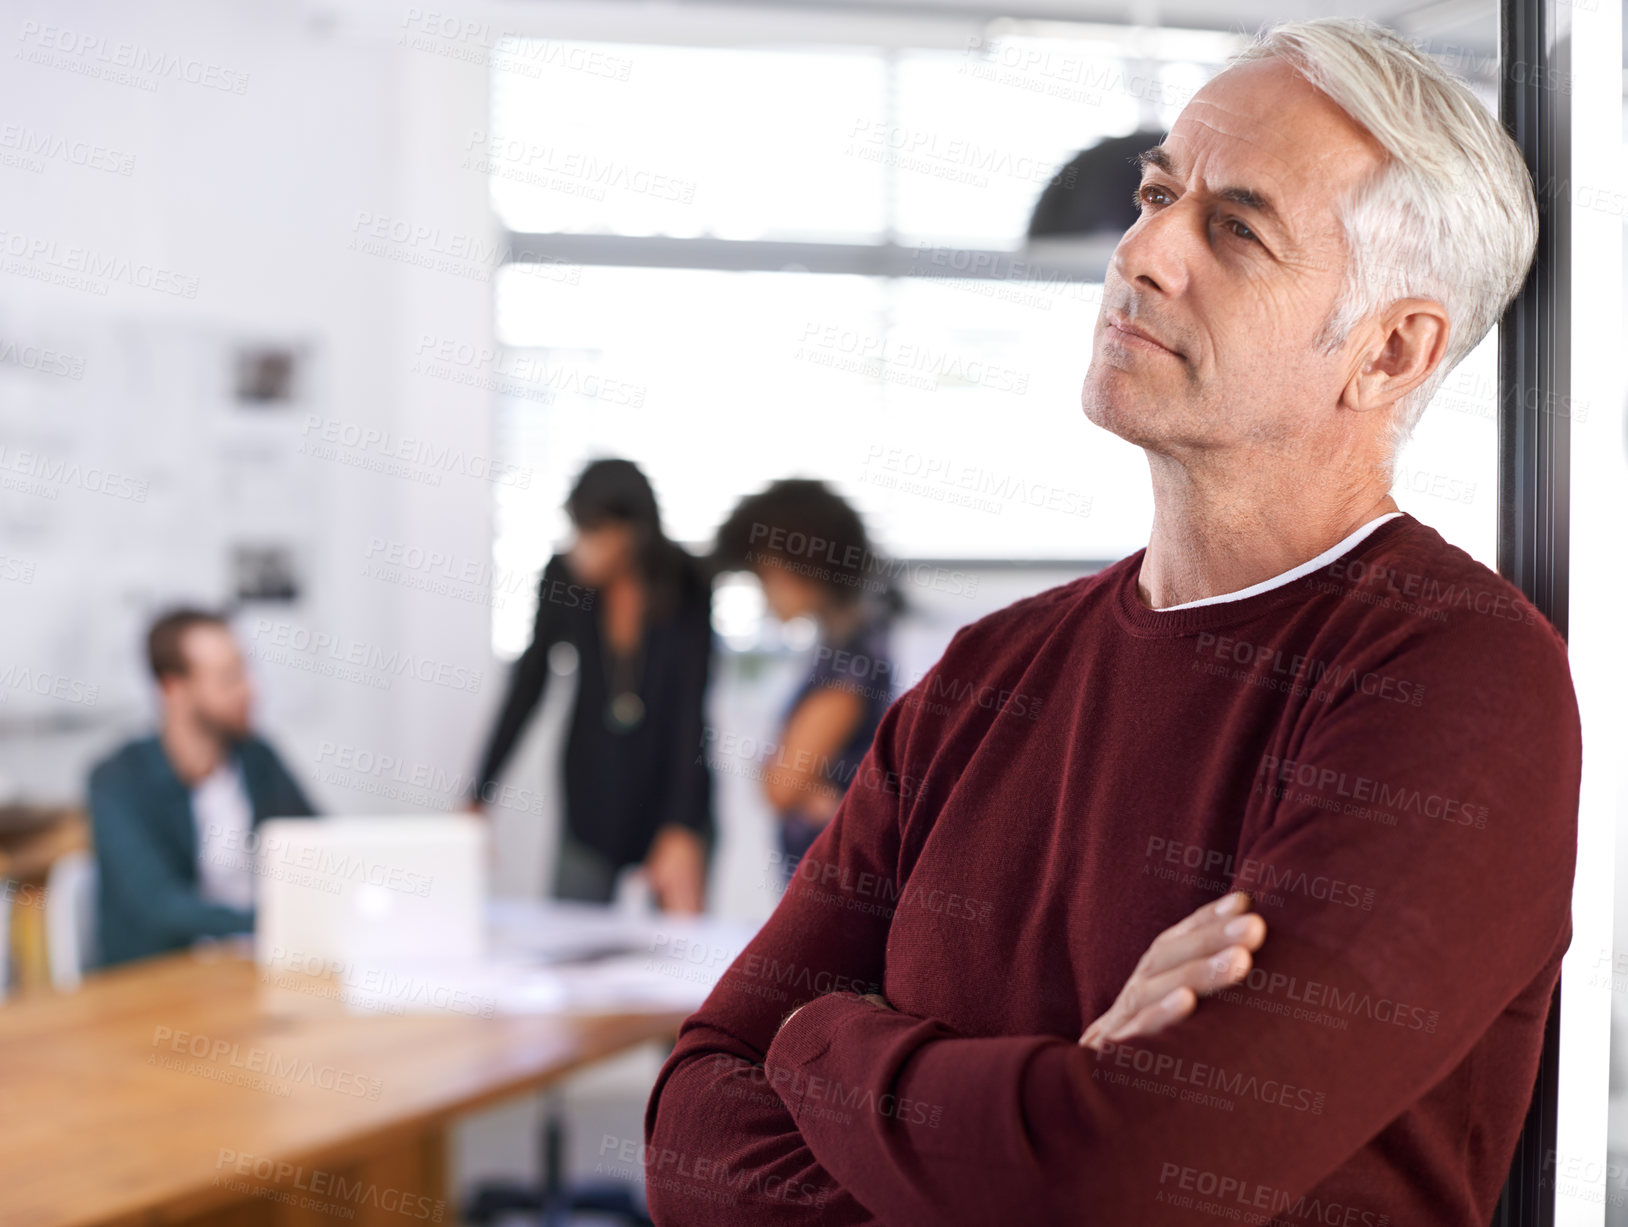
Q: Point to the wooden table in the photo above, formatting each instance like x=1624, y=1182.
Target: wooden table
x=185, y=1090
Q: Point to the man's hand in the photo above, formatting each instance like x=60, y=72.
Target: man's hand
x=675, y=867
x=1205, y=953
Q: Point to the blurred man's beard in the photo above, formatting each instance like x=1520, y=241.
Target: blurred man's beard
x=224, y=731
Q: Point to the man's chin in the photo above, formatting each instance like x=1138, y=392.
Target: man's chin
x=229, y=731
x=1115, y=412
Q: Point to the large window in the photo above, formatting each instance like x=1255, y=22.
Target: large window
x=823, y=145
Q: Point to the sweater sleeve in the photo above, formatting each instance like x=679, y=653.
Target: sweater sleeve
x=1438, y=923
x=721, y=1147
x=528, y=678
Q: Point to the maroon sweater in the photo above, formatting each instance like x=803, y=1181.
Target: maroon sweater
x=1385, y=752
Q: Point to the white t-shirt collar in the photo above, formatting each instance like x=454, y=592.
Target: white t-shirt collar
x=1293, y=573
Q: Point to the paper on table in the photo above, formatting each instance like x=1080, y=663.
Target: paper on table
x=513, y=984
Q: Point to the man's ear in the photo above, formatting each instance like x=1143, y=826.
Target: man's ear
x=1403, y=347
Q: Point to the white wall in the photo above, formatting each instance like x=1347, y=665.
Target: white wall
x=257, y=195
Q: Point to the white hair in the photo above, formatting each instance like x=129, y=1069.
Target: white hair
x=1450, y=215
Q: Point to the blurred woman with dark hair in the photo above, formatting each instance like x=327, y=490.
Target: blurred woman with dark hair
x=637, y=609
x=809, y=550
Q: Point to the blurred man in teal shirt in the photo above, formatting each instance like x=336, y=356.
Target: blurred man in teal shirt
x=173, y=815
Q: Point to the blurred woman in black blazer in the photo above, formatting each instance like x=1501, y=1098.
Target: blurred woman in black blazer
x=637, y=609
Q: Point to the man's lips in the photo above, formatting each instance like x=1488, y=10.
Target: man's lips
x=1137, y=336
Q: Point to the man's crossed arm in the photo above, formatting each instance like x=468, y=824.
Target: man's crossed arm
x=1203, y=954
x=852, y=1114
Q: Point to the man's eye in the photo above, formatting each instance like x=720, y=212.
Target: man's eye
x=1139, y=197
x=1243, y=231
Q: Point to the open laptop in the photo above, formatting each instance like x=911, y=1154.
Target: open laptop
x=384, y=888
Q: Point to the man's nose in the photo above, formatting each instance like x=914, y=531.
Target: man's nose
x=1153, y=254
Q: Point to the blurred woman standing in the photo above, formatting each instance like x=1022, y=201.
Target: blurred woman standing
x=809, y=550
x=636, y=607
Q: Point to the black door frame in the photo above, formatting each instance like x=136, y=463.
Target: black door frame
x=1534, y=452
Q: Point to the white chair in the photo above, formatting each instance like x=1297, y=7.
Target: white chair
x=70, y=919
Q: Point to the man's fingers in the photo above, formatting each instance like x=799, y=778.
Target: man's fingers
x=1176, y=961
x=1171, y=1008
x=1201, y=976
x=1208, y=918
x=1208, y=951
x=1212, y=936
x=1227, y=905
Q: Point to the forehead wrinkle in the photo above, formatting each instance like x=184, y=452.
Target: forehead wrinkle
x=1316, y=158
x=1237, y=125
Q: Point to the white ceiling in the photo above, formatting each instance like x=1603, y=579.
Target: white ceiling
x=1467, y=29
